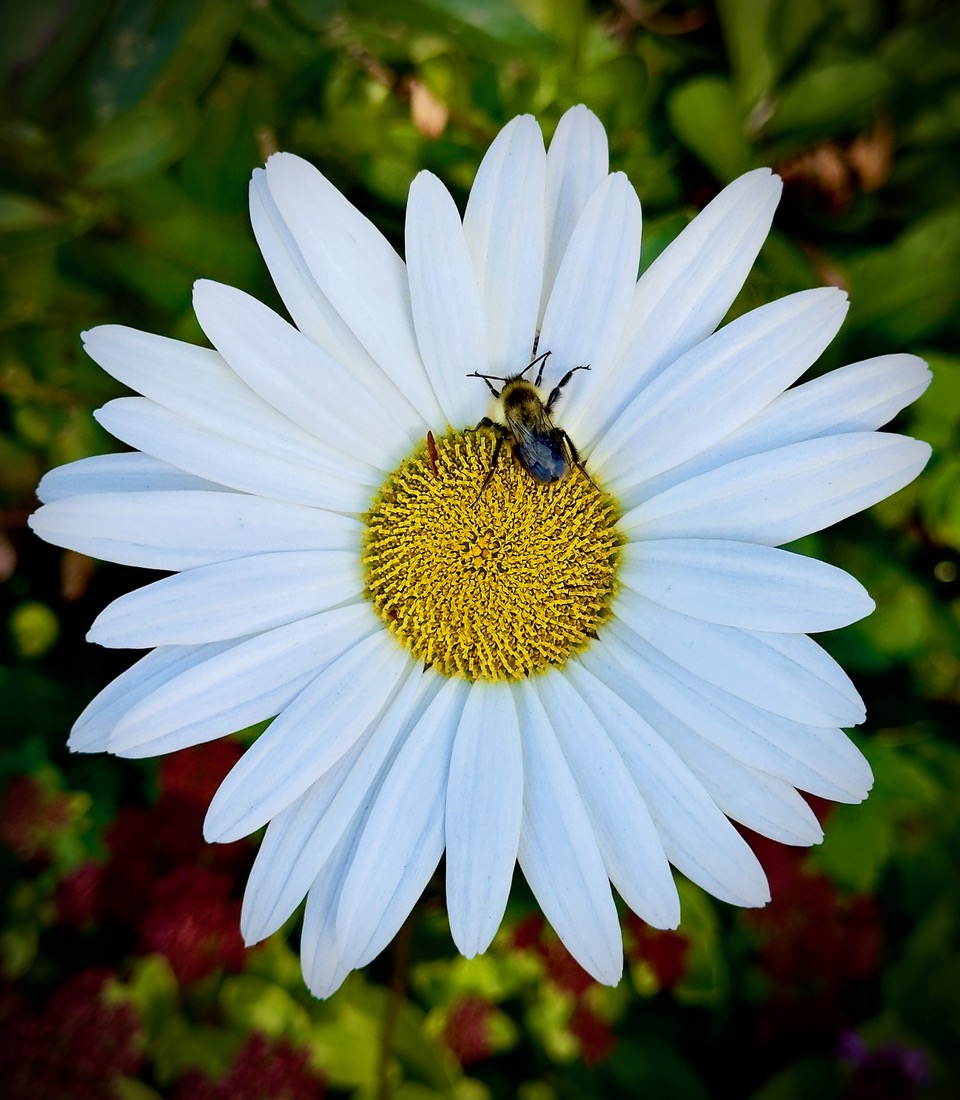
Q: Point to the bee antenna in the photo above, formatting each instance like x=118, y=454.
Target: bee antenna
x=542, y=359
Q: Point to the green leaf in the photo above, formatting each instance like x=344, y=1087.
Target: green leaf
x=41, y=40
x=936, y=415
x=21, y=212
x=706, y=978
x=652, y=1067
x=137, y=145
x=940, y=501
x=138, y=41
x=923, y=988
x=937, y=124
x=810, y=1077
x=420, y=1055
x=860, y=841
x=830, y=99
x=184, y=1045
x=707, y=118
x=259, y=1004
x=925, y=51
x=488, y=27
x=906, y=291
x=746, y=25
x=315, y=14
x=128, y=1088
x=793, y=29
x=152, y=990
x=19, y=470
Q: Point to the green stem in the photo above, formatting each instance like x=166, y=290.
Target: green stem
x=400, y=950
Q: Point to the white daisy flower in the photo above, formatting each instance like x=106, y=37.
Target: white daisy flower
x=589, y=676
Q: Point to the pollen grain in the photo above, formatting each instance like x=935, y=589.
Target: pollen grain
x=496, y=585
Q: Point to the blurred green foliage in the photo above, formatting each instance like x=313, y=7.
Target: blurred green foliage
x=128, y=131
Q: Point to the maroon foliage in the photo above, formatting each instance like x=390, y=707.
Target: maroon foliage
x=194, y=921
x=73, y=1049
x=467, y=1031
x=665, y=952
x=262, y=1070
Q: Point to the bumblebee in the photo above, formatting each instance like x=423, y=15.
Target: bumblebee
x=545, y=451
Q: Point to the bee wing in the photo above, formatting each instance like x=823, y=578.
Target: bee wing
x=535, y=425
x=538, y=448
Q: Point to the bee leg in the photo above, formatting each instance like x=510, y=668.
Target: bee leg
x=575, y=455
x=555, y=392
x=486, y=378
x=493, y=458
x=541, y=359
x=485, y=423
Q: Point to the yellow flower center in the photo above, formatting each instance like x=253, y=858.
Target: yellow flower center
x=491, y=585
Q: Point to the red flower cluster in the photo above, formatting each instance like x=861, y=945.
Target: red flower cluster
x=664, y=952
x=74, y=1049
x=31, y=816
x=262, y=1070
x=193, y=920
x=816, y=942
x=562, y=968
x=596, y=1038
x=161, y=879
x=467, y=1031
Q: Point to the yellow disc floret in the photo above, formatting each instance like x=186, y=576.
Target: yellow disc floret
x=494, y=585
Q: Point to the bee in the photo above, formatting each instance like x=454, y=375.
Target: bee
x=545, y=451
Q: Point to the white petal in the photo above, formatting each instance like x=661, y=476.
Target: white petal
x=504, y=228
x=628, y=839
x=178, y=530
x=794, y=682
x=309, y=307
x=817, y=759
x=782, y=495
x=588, y=305
x=309, y=736
x=199, y=386
x=696, y=836
x=239, y=464
x=323, y=966
x=402, y=841
x=357, y=270
x=128, y=472
x=766, y=804
x=558, y=850
x=716, y=386
x=857, y=398
x=576, y=164
x=92, y=729
x=253, y=680
x=230, y=599
x=687, y=290
x=758, y=801
x=483, y=809
x=445, y=299
x=742, y=584
x=301, y=839
x=284, y=869
x=295, y=376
